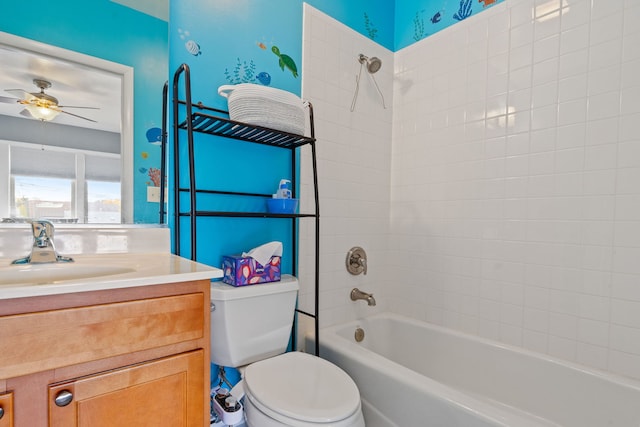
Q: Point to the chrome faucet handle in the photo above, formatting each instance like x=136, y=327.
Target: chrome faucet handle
x=42, y=232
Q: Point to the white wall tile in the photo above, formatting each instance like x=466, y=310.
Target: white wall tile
x=573, y=63
x=630, y=104
x=603, y=131
x=549, y=189
x=517, y=189
x=546, y=48
x=353, y=164
x=577, y=13
x=631, y=18
x=605, y=54
x=606, y=28
x=573, y=39
x=571, y=112
x=604, y=80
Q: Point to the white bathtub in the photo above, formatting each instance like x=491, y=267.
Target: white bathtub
x=412, y=373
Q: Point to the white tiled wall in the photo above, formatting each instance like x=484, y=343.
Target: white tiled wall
x=515, y=189
x=354, y=166
x=508, y=204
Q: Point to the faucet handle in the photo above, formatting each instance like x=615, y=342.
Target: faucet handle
x=363, y=263
x=42, y=231
x=356, y=261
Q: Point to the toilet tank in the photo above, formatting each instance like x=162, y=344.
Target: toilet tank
x=251, y=323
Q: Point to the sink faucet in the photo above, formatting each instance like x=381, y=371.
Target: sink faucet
x=357, y=294
x=43, y=249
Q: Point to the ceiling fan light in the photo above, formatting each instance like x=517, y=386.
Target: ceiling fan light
x=42, y=113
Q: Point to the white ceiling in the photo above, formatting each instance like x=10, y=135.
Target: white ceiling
x=73, y=84
x=156, y=8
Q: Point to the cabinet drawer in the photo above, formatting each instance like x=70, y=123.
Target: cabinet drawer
x=47, y=340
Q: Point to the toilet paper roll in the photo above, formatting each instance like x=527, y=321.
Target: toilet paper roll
x=263, y=253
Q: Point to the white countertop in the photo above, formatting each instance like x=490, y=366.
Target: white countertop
x=140, y=269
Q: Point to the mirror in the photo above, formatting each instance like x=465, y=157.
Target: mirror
x=93, y=131
x=136, y=54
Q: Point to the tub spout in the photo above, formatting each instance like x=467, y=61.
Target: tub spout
x=357, y=294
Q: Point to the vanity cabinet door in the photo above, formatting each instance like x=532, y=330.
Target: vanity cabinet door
x=6, y=410
x=164, y=392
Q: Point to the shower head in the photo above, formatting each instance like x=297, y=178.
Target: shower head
x=373, y=64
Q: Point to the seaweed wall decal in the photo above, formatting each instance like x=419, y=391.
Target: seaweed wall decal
x=368, y=25
x=418, y=27
x=464, y=11
x=242, y=73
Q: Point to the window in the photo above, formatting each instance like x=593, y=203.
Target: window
x=41, y=197
x=61, y=184
x=104, y=204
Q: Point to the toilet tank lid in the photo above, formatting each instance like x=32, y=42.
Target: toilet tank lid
x=223, y=292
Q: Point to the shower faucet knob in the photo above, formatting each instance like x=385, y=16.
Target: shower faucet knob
x=356, y=261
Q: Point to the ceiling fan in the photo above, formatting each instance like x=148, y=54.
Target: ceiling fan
x=40, y=105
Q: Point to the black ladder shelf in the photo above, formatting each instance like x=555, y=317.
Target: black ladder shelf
x=212, y=121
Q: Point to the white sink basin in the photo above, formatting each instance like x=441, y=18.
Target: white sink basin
x=97, y=272
x=40, y=274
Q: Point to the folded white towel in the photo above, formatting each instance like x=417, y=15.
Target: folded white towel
x=265, y=106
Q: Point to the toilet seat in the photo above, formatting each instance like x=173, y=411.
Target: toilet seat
x=299, y=389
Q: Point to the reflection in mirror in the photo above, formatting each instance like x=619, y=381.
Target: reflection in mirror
x=77, y=166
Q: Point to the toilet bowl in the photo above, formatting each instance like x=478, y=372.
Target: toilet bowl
x=250, y=329
x=300, y=390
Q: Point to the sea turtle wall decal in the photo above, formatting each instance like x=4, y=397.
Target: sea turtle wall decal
x=285, y=61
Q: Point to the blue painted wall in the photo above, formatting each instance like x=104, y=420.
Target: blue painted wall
x=110, y=31
x=253, y=41
x=231, y=35
x=417, y=19
x=247, y=41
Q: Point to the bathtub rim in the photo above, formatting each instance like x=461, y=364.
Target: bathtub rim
x=449, y=396
x=592, y=371
x=339, y=348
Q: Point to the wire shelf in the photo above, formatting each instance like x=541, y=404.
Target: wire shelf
x=213, y=125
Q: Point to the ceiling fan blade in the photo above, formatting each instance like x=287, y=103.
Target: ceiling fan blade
x=75, y=115
x=20, y=93
x=8, y=100
x=75, y=106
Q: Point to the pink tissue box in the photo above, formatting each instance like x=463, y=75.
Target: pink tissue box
x=239, y=271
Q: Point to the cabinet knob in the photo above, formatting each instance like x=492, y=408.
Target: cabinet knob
x=1, y=412
x=63, y=398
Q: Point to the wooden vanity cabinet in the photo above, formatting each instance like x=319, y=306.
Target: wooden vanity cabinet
x=123, y=357
x=6, y=410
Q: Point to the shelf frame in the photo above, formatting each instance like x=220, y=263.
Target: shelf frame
x=213, y=121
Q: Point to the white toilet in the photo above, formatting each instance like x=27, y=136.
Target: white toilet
x=250, y=330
